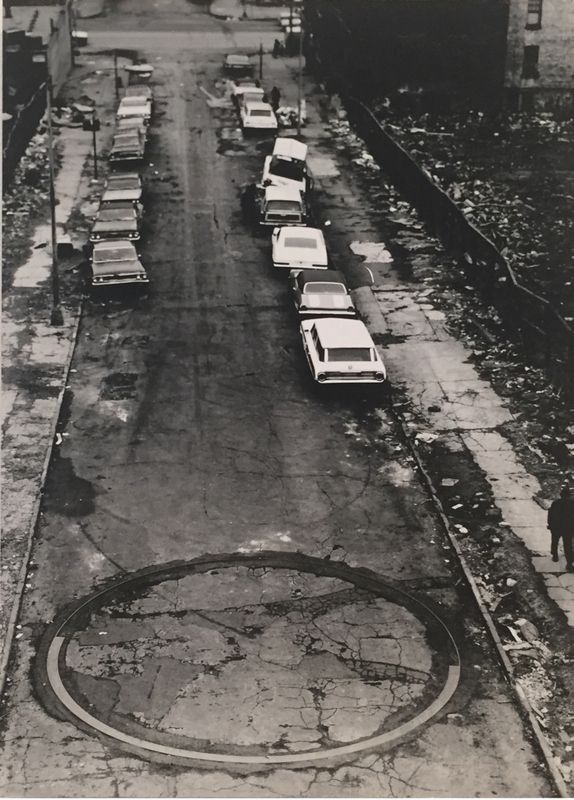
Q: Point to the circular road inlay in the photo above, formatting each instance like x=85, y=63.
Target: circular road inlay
x=272, y=658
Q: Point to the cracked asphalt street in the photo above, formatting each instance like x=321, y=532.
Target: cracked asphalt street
x=193, y=428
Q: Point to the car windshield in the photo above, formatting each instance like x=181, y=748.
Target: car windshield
x=260, y=112
x=113, y=213
x=349, y=354
x=324, y=288
x=114, y=254
x=134, y=100
x=283, y=205
x=301, y=241
x=292, y=170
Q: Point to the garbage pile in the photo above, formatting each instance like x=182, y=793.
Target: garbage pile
x=513, y=178
x=23, y=200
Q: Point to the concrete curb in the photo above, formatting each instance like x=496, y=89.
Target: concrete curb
x=20, y=586
x=370, y=311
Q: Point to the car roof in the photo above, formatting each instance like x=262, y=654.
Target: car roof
x=301, y=230
x=342, y=333
x=322, y=275
x=283, y=193
x=237, y=59
x=258, y=104
x=115, y=244
x=290, y=148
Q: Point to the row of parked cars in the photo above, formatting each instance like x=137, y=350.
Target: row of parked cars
x=117, y=225
x=249, y=97
x=336, y=343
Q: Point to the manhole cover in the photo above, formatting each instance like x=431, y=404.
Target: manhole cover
x=249, y=659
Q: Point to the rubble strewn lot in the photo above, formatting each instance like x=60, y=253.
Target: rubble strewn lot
x=25, y=203
x=513, y=179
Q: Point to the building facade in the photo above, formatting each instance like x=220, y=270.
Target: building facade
x=539, y=72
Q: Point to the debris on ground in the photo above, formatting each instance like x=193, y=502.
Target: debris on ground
x=513, y=177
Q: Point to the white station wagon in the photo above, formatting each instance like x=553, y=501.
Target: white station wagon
x=257, y=116
x=299, y=247
x=341, y=351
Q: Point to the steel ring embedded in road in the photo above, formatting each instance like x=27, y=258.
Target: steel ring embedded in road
x=249, y=659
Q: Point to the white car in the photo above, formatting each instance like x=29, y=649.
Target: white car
x=114, y=263
x=319, y=293
x=286, y=166
x=137, y=106
x=289, y=20
x=341, y=351
x=257, y=116
x=299, y=247
x=241, y=87
x=139, y=90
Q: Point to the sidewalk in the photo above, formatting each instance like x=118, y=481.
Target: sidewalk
x=36, y=356
x=242, y=9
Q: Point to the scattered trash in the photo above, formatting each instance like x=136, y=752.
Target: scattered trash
x=449, y=482
x=59, y=439
x=427, y=438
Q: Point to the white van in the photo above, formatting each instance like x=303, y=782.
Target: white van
x=286, y=166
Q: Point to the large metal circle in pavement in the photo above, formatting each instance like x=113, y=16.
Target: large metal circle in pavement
x=268, y=658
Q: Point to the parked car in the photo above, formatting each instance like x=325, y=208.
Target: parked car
x=255, y=96
x=297, y=246
x=341, y=351
x=319, y=293
x=289, y=20
x=137, y=106
x=132, y=124
x=139, y=73
x=139, y=90
x=281, y=205
x=124, y=186
x=114, y=263
x=257, y=116
x=127, y=146
x=247, y=86
x=238, y=65
x=287, y=165
x=122, y=205
x=115, y=223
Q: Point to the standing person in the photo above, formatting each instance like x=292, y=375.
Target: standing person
x=275, y=98
x=561, y=525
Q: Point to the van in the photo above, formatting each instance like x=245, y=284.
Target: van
x=286, y=166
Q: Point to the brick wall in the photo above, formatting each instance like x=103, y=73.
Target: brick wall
x=553, y=82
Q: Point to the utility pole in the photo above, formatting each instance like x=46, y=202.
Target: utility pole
x=116, y=84
x=56, y=315
x=261, y=61
x=300, y=78
x=93, y=124
x=94, y=129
